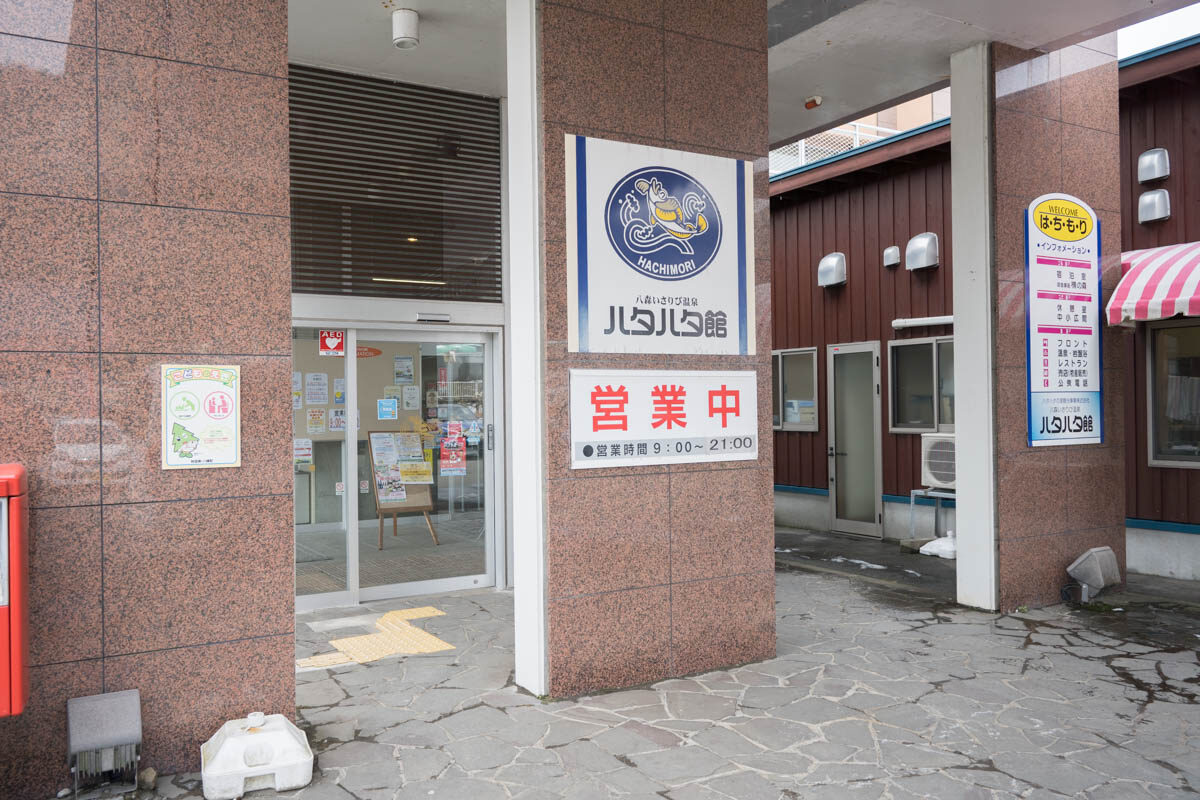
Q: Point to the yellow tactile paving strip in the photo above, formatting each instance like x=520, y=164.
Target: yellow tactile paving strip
x=395, y=637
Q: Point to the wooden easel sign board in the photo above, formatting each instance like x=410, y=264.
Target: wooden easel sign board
x=393, y=466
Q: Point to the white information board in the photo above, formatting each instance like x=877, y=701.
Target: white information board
x=622, y=418
x=1063, y=322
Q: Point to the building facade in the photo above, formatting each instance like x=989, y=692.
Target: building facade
x=886, y=195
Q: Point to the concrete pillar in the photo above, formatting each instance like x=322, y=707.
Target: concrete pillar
x=1025, y=124
x=653, y=571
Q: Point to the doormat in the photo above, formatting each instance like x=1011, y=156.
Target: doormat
x=307, y=555
x=396, y=636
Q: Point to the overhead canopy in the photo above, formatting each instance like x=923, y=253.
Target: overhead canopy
x=1159, y=283
x=863, y=55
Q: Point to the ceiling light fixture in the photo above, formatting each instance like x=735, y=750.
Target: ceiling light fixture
x=413, y=239
x=405, y=29
x=409, y=280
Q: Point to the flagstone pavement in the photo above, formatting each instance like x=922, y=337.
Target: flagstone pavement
x=874, y=694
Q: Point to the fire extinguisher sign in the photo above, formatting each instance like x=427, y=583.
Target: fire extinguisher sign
x=332, y=343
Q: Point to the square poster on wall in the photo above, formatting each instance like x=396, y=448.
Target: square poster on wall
x=660, y=250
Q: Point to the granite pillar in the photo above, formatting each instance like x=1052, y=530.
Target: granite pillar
x=1053, y=127
x=655, y=571
x=144, y=217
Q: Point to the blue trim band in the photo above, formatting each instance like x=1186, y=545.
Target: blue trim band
x=779, y=487
x=921, y=501
x=887, y=498
x=741, y=246
x=581, y=281
x=1156, y=525
x=1182, y=44
x=864, y=149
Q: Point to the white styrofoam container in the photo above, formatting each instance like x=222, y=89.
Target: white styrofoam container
x=258, y=752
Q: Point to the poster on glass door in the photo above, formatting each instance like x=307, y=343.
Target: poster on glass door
x=660, y=250
x=1063, y=319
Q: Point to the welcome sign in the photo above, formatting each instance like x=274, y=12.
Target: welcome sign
x=660, y=250
x=1063, y=322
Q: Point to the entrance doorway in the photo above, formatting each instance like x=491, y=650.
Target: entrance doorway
x=400, y=441
x=855, y=458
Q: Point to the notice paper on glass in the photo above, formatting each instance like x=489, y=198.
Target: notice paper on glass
x=402, y=369
x=302, y=451
x=412, y=398
x=316, y=389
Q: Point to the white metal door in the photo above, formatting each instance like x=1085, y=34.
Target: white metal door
x=855, y=458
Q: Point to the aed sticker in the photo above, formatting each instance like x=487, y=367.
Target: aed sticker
x=1063, y=220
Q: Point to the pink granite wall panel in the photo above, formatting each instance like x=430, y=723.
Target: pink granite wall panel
x=653, y=571
x=50, y=277
x=1055, y=131
x=172, y=583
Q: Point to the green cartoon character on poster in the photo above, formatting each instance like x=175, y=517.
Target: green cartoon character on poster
x=183, y=441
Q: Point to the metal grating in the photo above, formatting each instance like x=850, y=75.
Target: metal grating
x=395, y=189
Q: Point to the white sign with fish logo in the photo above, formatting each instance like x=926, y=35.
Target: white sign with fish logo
x=660, y=250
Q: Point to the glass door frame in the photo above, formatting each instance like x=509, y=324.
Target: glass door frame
x=872, y=529
x=495, y=538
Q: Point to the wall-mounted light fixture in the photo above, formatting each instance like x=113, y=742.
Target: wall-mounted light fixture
x=922, y=251
x=1153, y=165
x=891, y=256
x=1154, y=205
x=831, y=271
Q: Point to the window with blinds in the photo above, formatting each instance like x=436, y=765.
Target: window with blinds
x=395, y=189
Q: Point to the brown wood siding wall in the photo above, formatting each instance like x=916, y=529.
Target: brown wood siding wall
x=1164, y=112
x=859, y=214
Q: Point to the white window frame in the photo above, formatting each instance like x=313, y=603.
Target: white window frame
x=1151, y=329
x=777, y=388
x=938, y=426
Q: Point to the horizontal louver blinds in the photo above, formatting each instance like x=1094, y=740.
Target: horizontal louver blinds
x=395, y=189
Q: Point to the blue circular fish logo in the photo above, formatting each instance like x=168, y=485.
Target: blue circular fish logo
x=663, y=223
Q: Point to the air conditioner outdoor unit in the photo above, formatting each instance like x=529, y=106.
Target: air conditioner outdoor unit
x=937, y=460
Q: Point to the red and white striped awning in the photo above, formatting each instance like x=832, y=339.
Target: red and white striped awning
x=1158, y=283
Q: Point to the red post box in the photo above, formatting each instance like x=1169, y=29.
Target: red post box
x=14, y=589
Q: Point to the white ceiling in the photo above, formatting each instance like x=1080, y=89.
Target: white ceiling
x=874, y=53
x=462, y=41
x=859, y=55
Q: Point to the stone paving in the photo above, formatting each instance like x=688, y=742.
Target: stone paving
x=874, y=694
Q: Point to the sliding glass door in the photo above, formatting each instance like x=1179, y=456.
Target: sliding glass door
x=402, y=444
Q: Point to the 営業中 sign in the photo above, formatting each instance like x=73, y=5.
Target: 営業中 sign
x=622, y=418
x=660, y=250
x=1063, y=319
x=201, y=416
